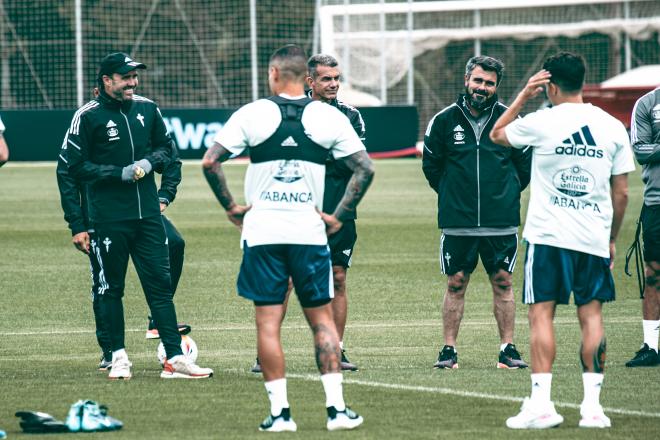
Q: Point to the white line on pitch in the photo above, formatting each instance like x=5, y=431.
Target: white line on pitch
x=470, y=394
x=569, y=321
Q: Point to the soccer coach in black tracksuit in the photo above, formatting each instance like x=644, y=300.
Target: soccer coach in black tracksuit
x=478, y=185
x=74, y=204
x=113, y=144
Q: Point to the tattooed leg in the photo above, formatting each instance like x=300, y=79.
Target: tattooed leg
x=598, y=357
x=326, y=341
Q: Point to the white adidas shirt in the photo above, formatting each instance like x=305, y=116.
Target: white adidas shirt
x=286, y=195
x=577, y=148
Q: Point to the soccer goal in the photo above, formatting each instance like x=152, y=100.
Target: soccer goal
x=414, y=51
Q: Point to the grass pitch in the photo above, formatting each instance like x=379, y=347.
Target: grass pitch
x=48, y=353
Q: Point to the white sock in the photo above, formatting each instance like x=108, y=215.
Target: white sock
x=334, y=392
x=651, y=333
x=276, y=390
x=541, y=386
x=503, y=346
x=341, y=345
x=592, y=384
x=119, y=353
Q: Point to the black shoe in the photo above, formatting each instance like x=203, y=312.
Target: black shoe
x=510, y=358
x=280, y=423
x=256, y=368
x=106, y=361
x=347, y=365
x=152, y=331
x=447, y=358
x=645, y=357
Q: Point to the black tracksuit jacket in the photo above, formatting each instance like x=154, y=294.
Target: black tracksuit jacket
x=73, y=196
x=105, y=136
x=478, y=182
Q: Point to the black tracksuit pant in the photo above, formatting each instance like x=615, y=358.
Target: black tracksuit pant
x=145, y=241
x=176, y=247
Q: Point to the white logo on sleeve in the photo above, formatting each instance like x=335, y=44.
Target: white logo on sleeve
x=656, y=113
x=140, y=118
x=107, y=242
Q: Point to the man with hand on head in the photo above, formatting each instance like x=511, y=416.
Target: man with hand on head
x=578, y=196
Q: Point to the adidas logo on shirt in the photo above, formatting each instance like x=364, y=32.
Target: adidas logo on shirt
x=578, y=145
x=110, y=124
x=459, y=134
x=289, y=142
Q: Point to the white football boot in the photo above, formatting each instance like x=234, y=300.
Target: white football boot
x=593, y=417
x=181, y=367
x=535, y=416
x=121, y=367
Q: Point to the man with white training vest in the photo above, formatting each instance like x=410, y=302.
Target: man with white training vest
x=578, y=196
x=283, y=231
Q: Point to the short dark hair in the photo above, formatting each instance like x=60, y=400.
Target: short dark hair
x=291, y=60
x=489, y=64
x=320, y=59
x=567, y=70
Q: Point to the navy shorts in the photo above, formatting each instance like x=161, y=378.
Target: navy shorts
x=342, y=244
x=461, y=253
x=265, y=272
x=552, y=273
x=651, y=232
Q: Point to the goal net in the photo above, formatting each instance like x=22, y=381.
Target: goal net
x=408, y=51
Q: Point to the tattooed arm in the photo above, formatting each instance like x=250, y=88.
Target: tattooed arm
x=363, y=174
x=211, y=165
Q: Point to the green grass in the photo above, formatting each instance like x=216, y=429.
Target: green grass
x=48, y=351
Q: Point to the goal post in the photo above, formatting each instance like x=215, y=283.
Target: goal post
x=408, y=51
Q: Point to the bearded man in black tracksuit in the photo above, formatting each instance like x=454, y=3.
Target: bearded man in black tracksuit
x=74, y=204
x=478, y=185
x=113, y=144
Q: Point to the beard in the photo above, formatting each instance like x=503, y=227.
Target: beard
x=477, y=100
